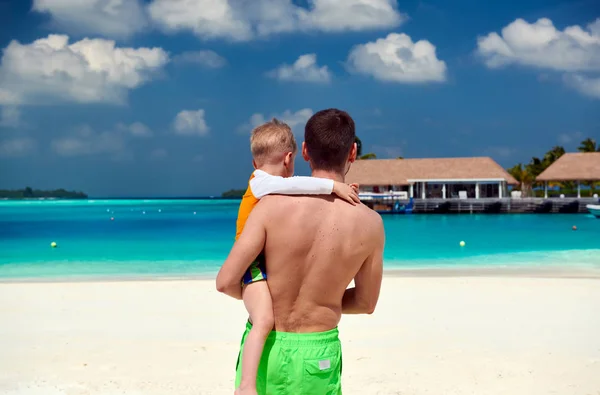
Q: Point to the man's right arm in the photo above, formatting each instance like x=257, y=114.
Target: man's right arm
x=363, y=297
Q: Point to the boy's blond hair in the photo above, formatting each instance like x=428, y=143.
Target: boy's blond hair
x=271, y=140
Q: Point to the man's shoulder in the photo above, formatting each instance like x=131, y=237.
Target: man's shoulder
x=272, y=202
x=371, y=217
x=284, y=202
x=293, y=199
x=272, y=199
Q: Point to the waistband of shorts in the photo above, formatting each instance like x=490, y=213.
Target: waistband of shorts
x=307, y=339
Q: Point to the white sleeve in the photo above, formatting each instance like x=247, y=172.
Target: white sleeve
x=265, y=184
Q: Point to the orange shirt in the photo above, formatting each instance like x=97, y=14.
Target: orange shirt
x=246, y=206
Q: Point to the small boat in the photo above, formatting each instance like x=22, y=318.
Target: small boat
x=398, y=208
x=594, y=209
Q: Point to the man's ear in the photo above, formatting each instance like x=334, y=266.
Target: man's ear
x=305, y=152
x=351, y=158
x=353, y=151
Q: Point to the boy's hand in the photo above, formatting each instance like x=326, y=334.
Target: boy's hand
x=346, y=192
x=355, y=186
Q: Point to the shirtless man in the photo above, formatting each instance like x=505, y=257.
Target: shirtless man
x=314, y=247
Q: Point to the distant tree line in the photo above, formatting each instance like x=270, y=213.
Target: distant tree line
x=233, y=193
x=29, y=193
x=526, y=174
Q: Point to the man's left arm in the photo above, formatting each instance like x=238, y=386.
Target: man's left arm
x=248, y=246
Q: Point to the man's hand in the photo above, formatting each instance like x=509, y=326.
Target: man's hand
x=346, y=192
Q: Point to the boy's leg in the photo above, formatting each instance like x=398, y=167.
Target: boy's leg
x=257, y=300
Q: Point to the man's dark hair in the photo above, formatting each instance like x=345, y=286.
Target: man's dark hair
x=329, y=136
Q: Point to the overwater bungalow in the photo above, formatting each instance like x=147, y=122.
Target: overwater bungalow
x=431, y=178
x=572, y=167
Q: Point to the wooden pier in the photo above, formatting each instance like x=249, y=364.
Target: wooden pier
x=488, y=206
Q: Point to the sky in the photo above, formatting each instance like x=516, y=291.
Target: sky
x=157, y=98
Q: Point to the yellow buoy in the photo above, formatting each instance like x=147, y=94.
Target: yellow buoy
x=462, y=243
x=53, y=244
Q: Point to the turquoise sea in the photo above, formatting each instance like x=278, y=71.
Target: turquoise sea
x=172, y=238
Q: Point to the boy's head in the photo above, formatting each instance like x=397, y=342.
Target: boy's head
x=273, y=146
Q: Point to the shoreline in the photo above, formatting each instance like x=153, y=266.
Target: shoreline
x=492, y=271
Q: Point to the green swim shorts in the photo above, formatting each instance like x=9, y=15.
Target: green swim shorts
x=297, y=364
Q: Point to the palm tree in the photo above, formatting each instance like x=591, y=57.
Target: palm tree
x=588, y=145
x=534, y=168
x=553, y=155
x=524, y=176
x=370, y=155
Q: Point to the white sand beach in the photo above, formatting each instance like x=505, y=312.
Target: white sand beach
x=437, y=335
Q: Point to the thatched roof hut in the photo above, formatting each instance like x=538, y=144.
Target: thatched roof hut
x=410, y=171
x=580, y=166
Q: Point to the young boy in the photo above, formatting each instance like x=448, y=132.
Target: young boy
x=273, y=150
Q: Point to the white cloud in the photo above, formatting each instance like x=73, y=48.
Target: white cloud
x=136, y=129
x=500, y=151
x=85, y=141
x=574, y=50
x=87, y=71
x=332, y=16
x=159, y=153
x=7, y=97
x=356, y=15
x=397, y=59
x=205, y=58
x=236, y=20
x=387, y=151
x=295, y=120
x=191, y=123
x=110, y=18
x=587, y=86
x=541, y=45
x=304, y=69
x=567, y=138
x=10, y=116
x=17, y=147
x=240, y=20
x=206, y=18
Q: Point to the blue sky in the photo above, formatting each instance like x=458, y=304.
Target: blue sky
x=157, y=98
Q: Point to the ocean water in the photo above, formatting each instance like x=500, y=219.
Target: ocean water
x=165, y=238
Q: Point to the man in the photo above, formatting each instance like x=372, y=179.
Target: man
x=314, y=247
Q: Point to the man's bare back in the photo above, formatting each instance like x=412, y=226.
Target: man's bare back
x=314, y=248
